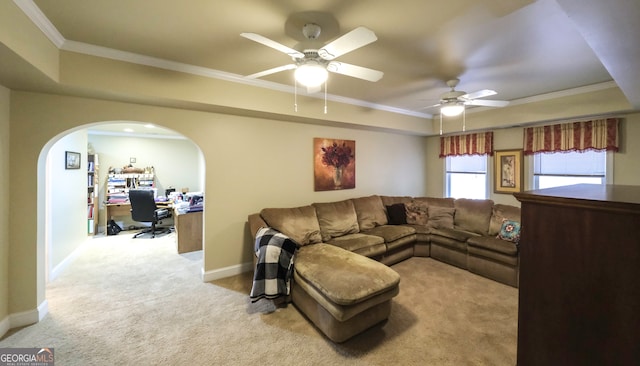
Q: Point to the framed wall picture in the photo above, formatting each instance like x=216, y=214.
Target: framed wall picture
x=507, y=170
x=334, y=164
x=72, y=160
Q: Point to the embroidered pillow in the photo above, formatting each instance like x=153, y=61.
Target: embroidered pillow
x=397, y=214
x=510, y=231
x=417, y=213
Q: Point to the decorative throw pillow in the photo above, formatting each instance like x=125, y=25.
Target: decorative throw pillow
x=510, y=231
x=441, y=217
x=417, y=213
x=397, y=214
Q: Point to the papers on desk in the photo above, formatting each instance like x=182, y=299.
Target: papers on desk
x=195, y=203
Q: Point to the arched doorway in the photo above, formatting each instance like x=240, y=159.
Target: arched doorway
x=62, y=193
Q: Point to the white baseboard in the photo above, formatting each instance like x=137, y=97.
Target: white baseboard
x=57, y=270
x=29, y=317
x=217, y=274
x=43, y=310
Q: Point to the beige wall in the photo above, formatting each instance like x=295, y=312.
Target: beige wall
x=4, y=208
x=626, y=167
x=626, y=170
x=250, y=163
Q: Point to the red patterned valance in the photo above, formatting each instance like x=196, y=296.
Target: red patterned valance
x=601, y=134
x=471, y=144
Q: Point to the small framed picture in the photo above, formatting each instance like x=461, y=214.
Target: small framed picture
x=72, y=160
x=507, y=170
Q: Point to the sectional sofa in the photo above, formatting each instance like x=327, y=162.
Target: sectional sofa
x=341, y=278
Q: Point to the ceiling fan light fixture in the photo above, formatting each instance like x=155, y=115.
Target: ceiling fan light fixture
x=311, y=74
x=452, y=109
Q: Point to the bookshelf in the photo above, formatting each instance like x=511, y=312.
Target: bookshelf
x=92, y=194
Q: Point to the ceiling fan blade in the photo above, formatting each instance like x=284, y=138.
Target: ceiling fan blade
x=487, y=103
x=479, y=94
x=271, y=71
x=432, y=106
x=273, y=44
x=353, y=40
x=354, y=71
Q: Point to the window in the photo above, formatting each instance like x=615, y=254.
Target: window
x=566, y=168
x=466, y=176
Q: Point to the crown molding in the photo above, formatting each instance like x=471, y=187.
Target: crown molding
x=44, y=24
x=130, y=57
x=33, y=12
x=553, y=95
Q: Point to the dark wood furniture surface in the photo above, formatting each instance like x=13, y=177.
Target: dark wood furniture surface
x=579, y=293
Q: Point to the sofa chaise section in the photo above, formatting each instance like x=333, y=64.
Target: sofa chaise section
x=341, y=292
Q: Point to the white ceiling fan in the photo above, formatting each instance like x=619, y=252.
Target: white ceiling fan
x=312, y=65
x=453, y=102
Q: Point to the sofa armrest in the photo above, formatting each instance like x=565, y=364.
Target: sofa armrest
x=255, y=223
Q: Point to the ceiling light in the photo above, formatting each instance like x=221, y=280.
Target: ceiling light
x=452, y=109
x=311, y=74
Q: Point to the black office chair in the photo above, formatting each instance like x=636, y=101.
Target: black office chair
x=144, y=209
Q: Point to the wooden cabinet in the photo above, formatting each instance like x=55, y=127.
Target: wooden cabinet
x=579, y=291
x=188, y=231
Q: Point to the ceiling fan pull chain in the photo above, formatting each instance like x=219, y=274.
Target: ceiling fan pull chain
x=440, y=123
x=295, y=96
x=325, y=97
x=464, y=120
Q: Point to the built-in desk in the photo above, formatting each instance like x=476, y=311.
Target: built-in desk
x=188, y=225
x=115, y=209
x=188, y=231
x=124, y=209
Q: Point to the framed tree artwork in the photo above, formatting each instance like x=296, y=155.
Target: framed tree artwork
x=334, y=164
x=507, y=170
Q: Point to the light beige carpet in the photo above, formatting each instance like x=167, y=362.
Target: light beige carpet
x=135, y=301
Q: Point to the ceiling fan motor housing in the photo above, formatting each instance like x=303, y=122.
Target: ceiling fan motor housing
x=452, y=95
x=311, y=30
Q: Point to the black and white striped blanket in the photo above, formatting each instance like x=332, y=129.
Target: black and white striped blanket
x=272, y=276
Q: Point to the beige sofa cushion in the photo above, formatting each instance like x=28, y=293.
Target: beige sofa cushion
x=441, y=217
x=336, y=219
x=298, y=223
x=500, y=213
x=370, y=212
x=436, y=201
x=367, y=245
x=473, y=215
x=391, y=200
x=343, y=277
